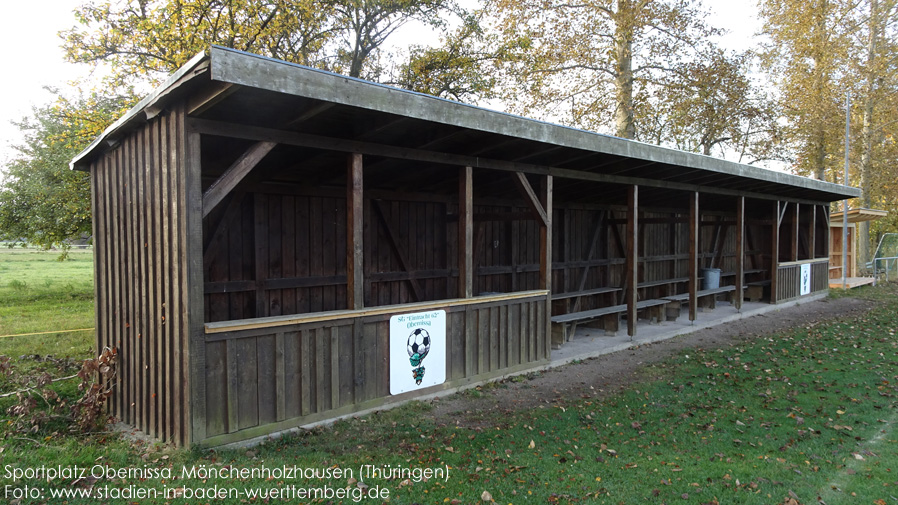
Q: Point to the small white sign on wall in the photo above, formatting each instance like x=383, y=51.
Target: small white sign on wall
x=417, y=350
x=804, y=280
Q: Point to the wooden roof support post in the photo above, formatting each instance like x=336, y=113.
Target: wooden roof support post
x=694, y=230
x=466, y=232
x=826, y=231
x=545, y=255
x=775, y=250
x=812, y=233
x=632, y=259
x=740, y=250
x=795, y=231
x=355, y=221
x=195, y=415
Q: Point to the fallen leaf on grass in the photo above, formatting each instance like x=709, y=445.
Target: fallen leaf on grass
x=532, y=445
x=486, y=496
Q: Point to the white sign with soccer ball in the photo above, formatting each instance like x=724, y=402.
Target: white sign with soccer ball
x=804, y=280
x=417, y=350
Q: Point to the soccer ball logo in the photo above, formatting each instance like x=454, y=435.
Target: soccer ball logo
x=418, y=347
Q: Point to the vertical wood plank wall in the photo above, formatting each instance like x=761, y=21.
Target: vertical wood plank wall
x=140, y=260
x=268, y=379
x=270, y=254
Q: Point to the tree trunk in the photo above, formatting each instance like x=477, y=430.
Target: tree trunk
x=623, y=118
x=820, y=37
x=866, y=166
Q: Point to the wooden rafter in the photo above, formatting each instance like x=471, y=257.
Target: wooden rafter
x=205, y=126
x=203, y=101
x=539, y=212
x=234, y=174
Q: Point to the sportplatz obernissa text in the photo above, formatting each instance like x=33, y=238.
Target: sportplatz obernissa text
x=285, y=472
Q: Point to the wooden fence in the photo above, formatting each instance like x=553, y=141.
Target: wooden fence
x=270, y=374
x=788, y=285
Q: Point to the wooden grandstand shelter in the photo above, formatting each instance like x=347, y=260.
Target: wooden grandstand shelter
x=258, y=225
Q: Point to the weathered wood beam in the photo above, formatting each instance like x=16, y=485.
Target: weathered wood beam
x=545, y=257
x=393, y=238
x=824, y=209
x=782, y=212
x=740, y=251
x=632, y=260
x=465, y=232
x=234, y=174
x=795, y=231
x=309, y=114
x=545, y=236
x=619, y=241
x=812, y=233
x=208, y=98
x=355, y=222
x=192, y=394
x=694, y=218
x=403, y=153
x=775, y=250
x=533, y=203
x=755, y=253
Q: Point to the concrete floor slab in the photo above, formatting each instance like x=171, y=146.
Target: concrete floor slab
x=591, y=342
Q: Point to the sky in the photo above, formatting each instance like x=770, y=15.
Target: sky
x=34, y=57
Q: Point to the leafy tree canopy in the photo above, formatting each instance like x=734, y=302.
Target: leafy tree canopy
x=42, y=201
x=589, y=62
x=154, y=37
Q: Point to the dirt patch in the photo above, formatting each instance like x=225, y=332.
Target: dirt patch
x=606, y=374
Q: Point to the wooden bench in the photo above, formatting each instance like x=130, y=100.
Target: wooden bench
x=564, y=326
x=707, y=299
x=667, y=283
x=747, y=271
x=563, y=303
x=755, y=290
x=587, y=292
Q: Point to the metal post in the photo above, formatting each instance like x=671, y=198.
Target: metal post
x=845, y=202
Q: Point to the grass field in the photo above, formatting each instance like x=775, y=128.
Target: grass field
x=808, y=416
x=39, y=294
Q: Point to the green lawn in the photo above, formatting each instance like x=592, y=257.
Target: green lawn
x=808, y=415
x=40, y=294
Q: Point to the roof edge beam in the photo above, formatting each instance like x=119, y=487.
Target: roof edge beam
x=247, y=132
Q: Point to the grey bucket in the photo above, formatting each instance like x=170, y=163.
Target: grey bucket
x=710, y=278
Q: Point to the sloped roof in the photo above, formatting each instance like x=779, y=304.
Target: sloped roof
x=254, y=97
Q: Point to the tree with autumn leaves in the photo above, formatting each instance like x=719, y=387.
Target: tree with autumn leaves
x=819, y=52
x=648, y=70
